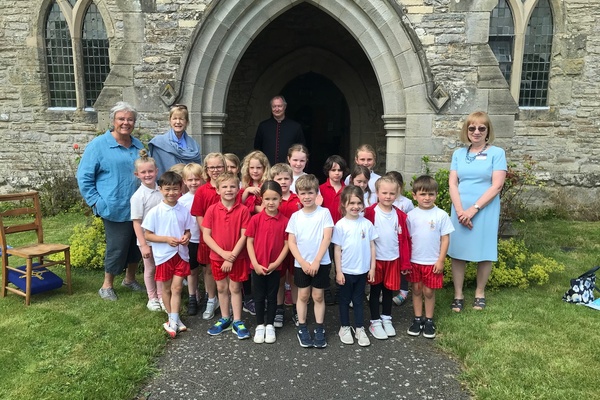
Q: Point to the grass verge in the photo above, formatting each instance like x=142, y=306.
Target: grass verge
x=79, y=346
x=529, y=344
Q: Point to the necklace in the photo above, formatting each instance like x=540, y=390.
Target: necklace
x=470, y=158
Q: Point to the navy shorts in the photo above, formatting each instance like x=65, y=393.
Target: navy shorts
x=319, y=281
x=121, y=246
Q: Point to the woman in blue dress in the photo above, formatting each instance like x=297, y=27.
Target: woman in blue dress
x=476, y=179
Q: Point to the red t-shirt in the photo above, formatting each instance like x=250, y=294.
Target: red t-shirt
x=332, y=199
x=269, y=236
x=205, y=196
x=290, y=206
x=226, y=227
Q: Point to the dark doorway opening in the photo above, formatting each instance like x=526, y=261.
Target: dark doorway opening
x=320, y=107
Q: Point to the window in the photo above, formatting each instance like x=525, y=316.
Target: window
x=523, y=53
x=73, y=83
x=59, y=56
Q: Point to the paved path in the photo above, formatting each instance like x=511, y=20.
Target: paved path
x=196, y=366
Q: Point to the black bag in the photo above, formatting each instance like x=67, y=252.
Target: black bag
x=582, y=288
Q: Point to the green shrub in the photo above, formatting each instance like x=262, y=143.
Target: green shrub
x=88, y=244
x=516, y=267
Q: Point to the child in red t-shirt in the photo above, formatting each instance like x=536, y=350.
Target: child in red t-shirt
x=290, y=203
x=267, y=249
x=224, y=225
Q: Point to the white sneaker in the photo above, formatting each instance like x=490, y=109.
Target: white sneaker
x=361, y=337
x=211, y=307
x=388, y=327
x=162, y=305
x=259, y=334
x=377, y=330
x=345, y=334
x=154, y=305
x=270, y=334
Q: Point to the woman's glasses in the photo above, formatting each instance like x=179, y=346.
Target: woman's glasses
x=217, y=168
x=477, y=128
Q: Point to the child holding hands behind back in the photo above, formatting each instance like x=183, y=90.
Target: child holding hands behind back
x=354, y=253
x=430, y=229
x=168, y=227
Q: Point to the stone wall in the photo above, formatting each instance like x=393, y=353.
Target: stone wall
x=151, y=37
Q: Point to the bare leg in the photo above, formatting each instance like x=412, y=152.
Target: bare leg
x=319, y=306
x=108, y=281
x=209, y=283
x=484, y=269
x=223, y=290
x=417, y=298
x=458, y=277
x=167, y=295
x=130, y=272
x=175, y=287
x=429, y=295
x=302, y=304
x=236, y=299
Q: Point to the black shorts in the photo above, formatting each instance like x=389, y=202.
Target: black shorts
x=319, y=281
x=193, y=248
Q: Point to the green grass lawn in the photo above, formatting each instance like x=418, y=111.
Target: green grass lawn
x=527, y=344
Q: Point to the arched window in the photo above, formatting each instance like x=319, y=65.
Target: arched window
x=59, y=57
x=76, y=80
x=520, y=36
x=94, y=45
x=536, y=57
x=502, y=37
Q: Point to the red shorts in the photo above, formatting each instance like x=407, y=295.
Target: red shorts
x=387, y=272
x=238, y=273
x=287, y=265
x=174, y=266
x=424, y=273
x=203, y=254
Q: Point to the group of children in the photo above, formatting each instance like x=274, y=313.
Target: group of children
x=277, y=227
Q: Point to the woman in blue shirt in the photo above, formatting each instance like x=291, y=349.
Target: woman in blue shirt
x=106, y=182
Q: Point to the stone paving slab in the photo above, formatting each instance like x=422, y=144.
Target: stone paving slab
x=196, y=365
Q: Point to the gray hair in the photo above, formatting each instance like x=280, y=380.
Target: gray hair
x=122, y=106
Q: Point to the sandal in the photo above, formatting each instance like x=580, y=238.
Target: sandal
x=479, y=303
x=457, y=305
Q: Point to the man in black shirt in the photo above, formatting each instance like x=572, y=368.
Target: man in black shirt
x=277, y=134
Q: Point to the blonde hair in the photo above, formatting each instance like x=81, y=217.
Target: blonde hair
x=226, y=176
x=192, y=169
x=307, y=182
x=367, y=148
x=387, y=179
x=210, y=156
x=179, y=108
x=263, y=160
x=178, y=169
x=481, y=117
x=282, y=168
x=143, y=159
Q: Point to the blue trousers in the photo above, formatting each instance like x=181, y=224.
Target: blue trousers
x=353, y=290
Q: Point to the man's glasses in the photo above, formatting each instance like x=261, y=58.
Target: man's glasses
x=217, y=168
x=477, y=128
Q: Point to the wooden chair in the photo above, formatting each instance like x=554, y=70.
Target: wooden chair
x=23, y=214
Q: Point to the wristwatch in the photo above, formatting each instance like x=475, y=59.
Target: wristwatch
x=477, y=207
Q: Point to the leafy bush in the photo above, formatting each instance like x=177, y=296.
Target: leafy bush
x=516, y=267
x=88, y=244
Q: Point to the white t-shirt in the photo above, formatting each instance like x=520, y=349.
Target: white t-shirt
x=186, y=200
x=404, y=204
x=354, y=237
x=143, y=200
x=308, y=229
x=426, y=228
x=387, y=247
x=164, y=220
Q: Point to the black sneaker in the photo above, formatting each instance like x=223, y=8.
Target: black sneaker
x=192, y=308
x=429, y=329
x=320, y=341
x=416, y=327
x=279, y=317
x=295, y=318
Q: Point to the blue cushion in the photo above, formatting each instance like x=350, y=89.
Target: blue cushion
x=42, y=279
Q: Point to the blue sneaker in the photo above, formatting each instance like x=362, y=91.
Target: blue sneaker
x=304, y=337
x=223, y=324
x=320, y=341
x=240, y=330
